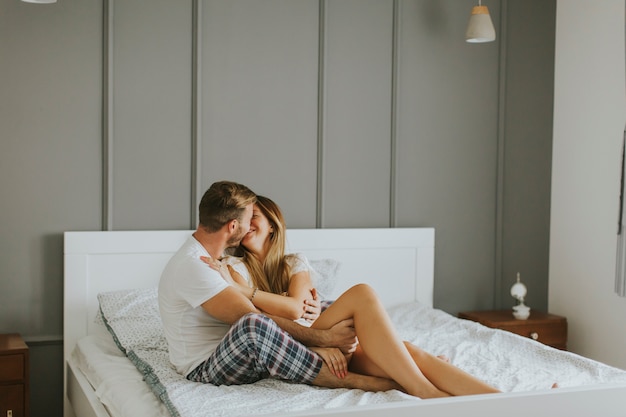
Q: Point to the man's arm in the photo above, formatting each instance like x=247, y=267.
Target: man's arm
x=229, y=305
x=342, y=335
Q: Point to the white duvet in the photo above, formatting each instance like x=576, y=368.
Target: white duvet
x=505, y=360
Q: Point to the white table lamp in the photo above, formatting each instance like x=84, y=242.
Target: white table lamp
x=521, y=311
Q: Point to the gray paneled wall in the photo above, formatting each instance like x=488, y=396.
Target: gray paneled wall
x=448, y=116
x=151, y=117
x=349, y=113
x=259, y=70
x=357, y=113
x=50, y=152
x=527, y=156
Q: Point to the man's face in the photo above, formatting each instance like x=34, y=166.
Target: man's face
x=242, y=227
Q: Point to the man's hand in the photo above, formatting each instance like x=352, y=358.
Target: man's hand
x=343, y=336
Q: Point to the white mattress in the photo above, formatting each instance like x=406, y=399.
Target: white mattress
x=508, y=361
x=117, y=382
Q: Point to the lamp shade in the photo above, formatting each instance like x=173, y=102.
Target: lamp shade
x=519, y=290
x=480, y=28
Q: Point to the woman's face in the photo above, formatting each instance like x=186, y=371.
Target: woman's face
x=260, y=229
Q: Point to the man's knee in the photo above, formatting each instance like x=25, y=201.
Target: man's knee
x=255, y=323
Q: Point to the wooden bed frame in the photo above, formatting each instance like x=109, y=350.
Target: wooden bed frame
x=397, y=262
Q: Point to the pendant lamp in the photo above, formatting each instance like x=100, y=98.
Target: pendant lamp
x=480, y=28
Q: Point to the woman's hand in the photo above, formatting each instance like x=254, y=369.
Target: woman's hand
x=228, y=273
x=312, y=307
x=219, y=267
x=335, y=360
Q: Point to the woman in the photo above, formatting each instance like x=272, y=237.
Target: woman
x=380, y=352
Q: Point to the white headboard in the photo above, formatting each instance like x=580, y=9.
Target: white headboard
x=397, y=262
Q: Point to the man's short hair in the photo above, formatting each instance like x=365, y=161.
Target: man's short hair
x=222, y=202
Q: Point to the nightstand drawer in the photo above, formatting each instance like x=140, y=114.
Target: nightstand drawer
x=546, y=328
x=553, y=334
x=14, y=376
x=12, y=397
x=12, y=368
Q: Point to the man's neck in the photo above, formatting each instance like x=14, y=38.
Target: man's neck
x=214, y=243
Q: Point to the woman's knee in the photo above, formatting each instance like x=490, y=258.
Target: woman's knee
x=363, y=292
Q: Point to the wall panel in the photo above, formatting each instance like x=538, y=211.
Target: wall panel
x=151, y=138
x=49, y=154
x=259, y=100
x=447, y=136
x=357, y=113
x=528, y=151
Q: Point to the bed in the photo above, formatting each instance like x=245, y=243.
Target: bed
x=108, y=373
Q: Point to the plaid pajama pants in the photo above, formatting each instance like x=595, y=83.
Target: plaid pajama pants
x=256, y=348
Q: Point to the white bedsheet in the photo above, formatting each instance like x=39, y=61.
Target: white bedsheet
x=117, y=382
x=508, y=361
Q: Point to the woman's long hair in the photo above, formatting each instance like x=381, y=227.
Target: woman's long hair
x=273, y=274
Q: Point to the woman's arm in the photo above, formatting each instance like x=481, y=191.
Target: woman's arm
x=291, y=307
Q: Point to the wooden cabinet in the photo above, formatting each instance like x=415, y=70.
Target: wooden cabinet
x=14, y=392
x=546, y=328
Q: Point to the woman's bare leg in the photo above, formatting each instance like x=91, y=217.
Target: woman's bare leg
x=425, y=372
x=446, y=376
x=441, y=373
x=378, y=339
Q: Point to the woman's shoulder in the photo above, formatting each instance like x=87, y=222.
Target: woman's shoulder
x=297, y=262
x=237, y=264
x=232, y=260
x=295, y=255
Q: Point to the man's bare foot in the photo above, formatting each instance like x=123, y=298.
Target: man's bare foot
x=354, y=381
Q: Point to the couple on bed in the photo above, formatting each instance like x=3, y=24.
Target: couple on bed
x=235, y=320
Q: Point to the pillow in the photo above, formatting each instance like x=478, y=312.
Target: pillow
x=323, y=274
x=132, y=317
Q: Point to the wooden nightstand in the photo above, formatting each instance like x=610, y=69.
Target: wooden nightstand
x=546, y=328
x=14, y=390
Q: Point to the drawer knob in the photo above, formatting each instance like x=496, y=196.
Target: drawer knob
x=534, y=336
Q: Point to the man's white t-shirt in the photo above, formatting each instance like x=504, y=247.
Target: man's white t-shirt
x=186, y=283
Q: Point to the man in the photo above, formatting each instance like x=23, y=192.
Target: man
x=216, y=335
